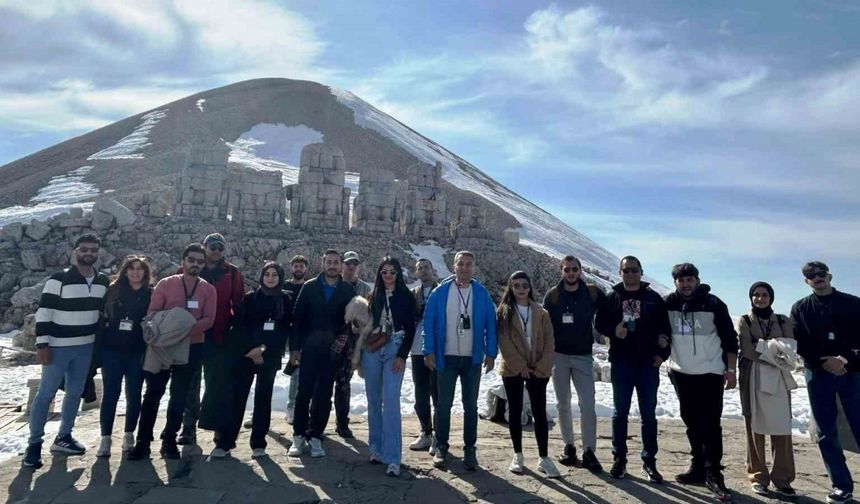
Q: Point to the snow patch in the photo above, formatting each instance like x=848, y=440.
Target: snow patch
x=200, y=103
x=273, y=147
x=435, y=254
x=62, y=193
x=130, y=146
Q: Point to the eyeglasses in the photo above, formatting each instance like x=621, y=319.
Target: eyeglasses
x=817, y=274
x=630, y=271
x=86, y=250
x=387, y=272
x=216, y=248
x=520, y=285
x=570, y=269
x=192, y=260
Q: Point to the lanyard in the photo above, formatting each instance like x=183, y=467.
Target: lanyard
x=464, y=301
x=387, y=309
x=525, y=320
x=765, y=329
x=185, y=289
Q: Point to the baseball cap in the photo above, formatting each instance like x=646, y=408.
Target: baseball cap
x=351, y=256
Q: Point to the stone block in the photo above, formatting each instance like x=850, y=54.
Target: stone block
x=7, y=281
x=27, y=296
x=512, y=236
x=101, y=220
x=33, y=259
x=76, y=213
x=123, y=216
x=13, y=232
x=74, y=222
x=37, y=230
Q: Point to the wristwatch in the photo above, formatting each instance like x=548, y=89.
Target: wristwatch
x=262, y=348
x=732, y=371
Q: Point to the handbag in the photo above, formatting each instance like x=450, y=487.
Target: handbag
x=376, y=340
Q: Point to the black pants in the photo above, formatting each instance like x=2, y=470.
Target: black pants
x=156, y=383
x=537, y=396
x=342, y=393
x=701, y=401
x=424, y=381
x=244, y=371
x=316, y=380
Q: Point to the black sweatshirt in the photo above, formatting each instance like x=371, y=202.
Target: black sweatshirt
x=814, y=318
x=652, y=320
x=132, y=305
x=576, y=338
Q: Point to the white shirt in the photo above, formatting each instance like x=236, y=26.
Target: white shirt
x=525, y=314
x=458, y=341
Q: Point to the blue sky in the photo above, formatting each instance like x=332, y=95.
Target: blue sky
x=723, y=133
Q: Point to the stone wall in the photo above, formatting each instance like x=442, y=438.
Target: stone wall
x=425, y=211
x=378, y=207
x=319, y=200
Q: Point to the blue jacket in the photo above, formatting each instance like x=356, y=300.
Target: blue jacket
x=483, y=323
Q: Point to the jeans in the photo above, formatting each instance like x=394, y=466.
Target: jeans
x=424, y=381
x=383, y=401
x=316, y=380
x=470, y=382
x=645, y=379
x=822, y=387
x=180, y=377
x=701, y=401
x=537, y=396
x=117, y=364
x=580, y=370
x=73, y=364
x=244, y=371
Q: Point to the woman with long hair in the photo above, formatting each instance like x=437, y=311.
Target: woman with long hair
x=383, y=360
x=527, y=345
x=122, y=347
x=266, y=321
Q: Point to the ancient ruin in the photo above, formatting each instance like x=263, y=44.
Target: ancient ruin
x=319, y=200
x=378, y=207
x=425, y=212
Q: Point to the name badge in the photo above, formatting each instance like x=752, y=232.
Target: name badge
x=192, y=304
x=269, y=326
x=461, y=333
x=125, y=325
x=567, y=318
x=831, y=336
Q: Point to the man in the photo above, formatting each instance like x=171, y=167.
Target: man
x=319, y=324
x=298, y=269
x=183, y=290
x=825, y=326
x=342, y=392
x=459, y=335
x=230, y=287
x=634, y=318
x=66, y=324
x=702, y=364
x=571, y=305
x=423, y=379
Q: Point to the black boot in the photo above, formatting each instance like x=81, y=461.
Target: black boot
x=649, y=469
x=140, y=451
x=717, y=485
x=590, y=462
x=619, y=468
x=695, y=475
x=169, y=450
x=569, y=457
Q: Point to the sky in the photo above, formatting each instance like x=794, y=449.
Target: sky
x=723, y=133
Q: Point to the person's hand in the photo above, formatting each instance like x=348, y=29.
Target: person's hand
x=834, y=365
x=256, y=355
x=731, y=380
x=657, y=362
x=489, y=362
x=621, y=330
x=43, y=355
x=430, y=362
x=296, y=357
x=662, y=341
x=399, y=365
x=526, y=374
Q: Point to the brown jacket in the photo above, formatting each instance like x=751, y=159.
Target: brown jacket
x=513, y=347
x=749, y=336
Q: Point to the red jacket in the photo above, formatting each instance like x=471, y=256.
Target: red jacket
x=230, y=288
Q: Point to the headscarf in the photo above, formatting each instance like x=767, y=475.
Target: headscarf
x=277, y=290
x=762, y=313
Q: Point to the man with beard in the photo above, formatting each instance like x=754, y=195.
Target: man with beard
x=66, y=326
x=298, y=269
x=186, y=290
x=423, y=378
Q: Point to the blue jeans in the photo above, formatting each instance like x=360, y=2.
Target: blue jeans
x=73, y=363
x=382, y=385
x=470, y=383
x=117, y=364
x=644, y=378
x=822, y=387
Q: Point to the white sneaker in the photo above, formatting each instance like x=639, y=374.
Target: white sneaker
x=393, y=470
x=248, y=422
x=516, y=466
x=291, y=414
x=432, y=449
x=422, y=442
x=258, y=453
x=128, y=441
x=104, y=447
x=219, y=453
x=299, y=446
x=317, y=450
x=547, y=467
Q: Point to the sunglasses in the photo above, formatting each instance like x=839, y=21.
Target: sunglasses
x=216, y=248
x=520, y=285
x=192, y=260
x=819, y=274
x=629, y=271
x=88, y=250
x=570, y=269
x=387, y=272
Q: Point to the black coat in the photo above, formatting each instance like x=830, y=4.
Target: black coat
x=128, y=304
x=642, y=343
x=814, y=318
x=403, y=312
x=258, y=308
x=317, y=322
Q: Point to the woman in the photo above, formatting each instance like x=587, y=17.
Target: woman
x=763, y=324
x=527, y=345
x=267, y=315
x=383, y=359
x=122, y=348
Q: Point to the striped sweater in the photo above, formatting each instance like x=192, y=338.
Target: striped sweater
x=69, y=309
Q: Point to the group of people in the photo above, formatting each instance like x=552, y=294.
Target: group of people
x=201, y=322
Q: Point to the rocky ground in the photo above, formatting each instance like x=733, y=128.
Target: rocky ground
x=345, y=476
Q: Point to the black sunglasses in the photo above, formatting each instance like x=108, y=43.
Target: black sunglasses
x=630, y=271
x=817, y=274
x=570, y=269
x=219, y=248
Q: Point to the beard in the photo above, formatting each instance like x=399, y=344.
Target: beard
x=298, y=276
x=87, y=260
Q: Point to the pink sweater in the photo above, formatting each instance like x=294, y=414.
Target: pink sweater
x=169, y=293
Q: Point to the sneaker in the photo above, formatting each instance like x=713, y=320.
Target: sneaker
x=422, y=442
x=67, y=444
x=248, y=422
x=218, y=453
x=716, y=484
x=33, y=456
x=186, y=438
x=169, y=450
x=470, y=459
x=695, y=475
x=649, y=470
x=317, y=450
x=291, y=414
x=258, y=453
x=838, y=496
x=300, y=445
x=516, y=465
x=569, y=457
x=393, y=470
x=548, y=468
x=127, y=441
x=439, y=458
x=760, y=489
x=432, y=449
x=345, y=432
x=104, y=447
x=140, y=451
x=786, y=492
x=589, y=461
x=619, y=468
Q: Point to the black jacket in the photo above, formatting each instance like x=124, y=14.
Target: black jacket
x=403, y=312
x=652, y=321
x=258, y=308
x=814, y=318
x=316, y=322
x=132, y=305
x=576, y=338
